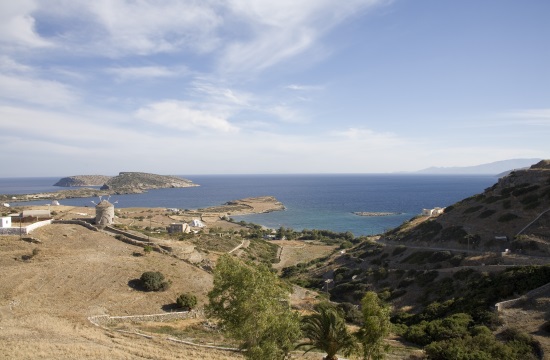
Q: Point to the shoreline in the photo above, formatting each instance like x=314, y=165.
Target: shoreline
x=375, y=213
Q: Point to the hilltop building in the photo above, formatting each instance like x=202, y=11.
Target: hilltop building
x=197, y=223
x=104, y=213
x=433, y=212
x=5, y=222
x=179, y=228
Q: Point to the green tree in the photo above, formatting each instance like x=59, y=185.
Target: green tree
x=376, y=326
x=154, y=281
x=251, y=304
x=327, y=331
x=187, y=301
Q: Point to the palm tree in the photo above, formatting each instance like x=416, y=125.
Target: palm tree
x=326, y=330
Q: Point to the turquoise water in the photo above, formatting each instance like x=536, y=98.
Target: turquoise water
x=311, y=201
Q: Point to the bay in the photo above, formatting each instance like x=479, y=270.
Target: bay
x=311, y=201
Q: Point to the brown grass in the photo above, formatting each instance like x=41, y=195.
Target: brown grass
x=294, y=252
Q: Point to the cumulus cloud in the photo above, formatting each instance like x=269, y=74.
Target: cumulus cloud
x=184, y=116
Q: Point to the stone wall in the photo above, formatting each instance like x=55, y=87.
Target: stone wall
x=533, y=293
x=76, y=222
x=106, y=320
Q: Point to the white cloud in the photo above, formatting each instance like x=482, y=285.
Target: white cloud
x=17, y=25
x=370, y=137
x=184, y=116
x=288, y=114
x=277, y=31
x=531, y=116
x=304, y=87
x=36, y=91
x=141, y=72
x=7, y=64
x=216, y=95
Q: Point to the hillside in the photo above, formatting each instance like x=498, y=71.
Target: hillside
x=137, y=182
x=445, y=274
x=82, y=180
x=76, y=274
x=512, y=214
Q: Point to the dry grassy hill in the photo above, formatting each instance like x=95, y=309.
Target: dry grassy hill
x=77, y=273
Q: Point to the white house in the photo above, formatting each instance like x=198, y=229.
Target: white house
x=5, y=222
x=197, y=223
x=433, y=212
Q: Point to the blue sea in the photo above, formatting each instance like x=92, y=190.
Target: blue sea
x=312, y=201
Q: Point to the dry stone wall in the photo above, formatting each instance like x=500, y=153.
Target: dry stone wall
x=533, y=293
x=106, y=320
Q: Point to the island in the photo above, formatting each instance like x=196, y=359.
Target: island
x=83, y=180
x=124, y=183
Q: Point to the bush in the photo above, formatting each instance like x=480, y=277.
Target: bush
x=486, y=214
x=187, y=301
x=398, y=250
x=154, y=281
x=507, y=217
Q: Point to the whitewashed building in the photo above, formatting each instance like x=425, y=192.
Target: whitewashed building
x=433, y=212
x=197, y=223
x=5, y=222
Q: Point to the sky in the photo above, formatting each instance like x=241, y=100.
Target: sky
x=265, y=87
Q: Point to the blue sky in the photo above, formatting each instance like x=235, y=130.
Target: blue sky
x=235, y=86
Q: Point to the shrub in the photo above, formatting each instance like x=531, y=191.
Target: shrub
x=187, y=301
x=486, y=214
x=399, y=249
x=426, y=278
x=472, y=209
x=507, y=217
x=154, y=281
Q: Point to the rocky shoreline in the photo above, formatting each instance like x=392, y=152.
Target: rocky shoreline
x=369, y=213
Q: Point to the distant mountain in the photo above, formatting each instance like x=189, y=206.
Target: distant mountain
x=494, y=168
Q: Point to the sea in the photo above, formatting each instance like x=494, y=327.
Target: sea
x=325, y=202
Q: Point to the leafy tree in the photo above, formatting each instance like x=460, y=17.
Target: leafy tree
x=251, y=304
x=154, y=281
x=326, y=330
x=187, y=301
x=376, y=326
